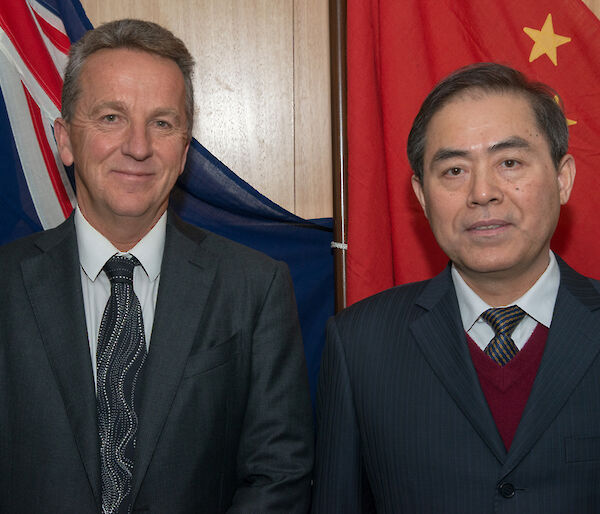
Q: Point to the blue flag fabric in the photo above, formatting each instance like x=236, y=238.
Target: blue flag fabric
x=37, y=192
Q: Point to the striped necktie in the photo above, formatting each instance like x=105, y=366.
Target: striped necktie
x=120, y=356
x=503, y=320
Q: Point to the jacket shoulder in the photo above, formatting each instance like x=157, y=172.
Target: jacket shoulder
x=230, y=254
x=586, y=289
x=397, y=303
x=33, y=244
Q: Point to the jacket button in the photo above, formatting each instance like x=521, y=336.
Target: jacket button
x=506, y=489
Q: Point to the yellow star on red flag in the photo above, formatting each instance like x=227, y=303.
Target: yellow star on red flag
x=546, y=41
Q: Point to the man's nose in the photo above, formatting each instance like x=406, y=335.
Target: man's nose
x=137, y=142
x=484, y=187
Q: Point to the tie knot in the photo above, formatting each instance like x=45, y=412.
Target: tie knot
x=119, y=268
x=504, y=319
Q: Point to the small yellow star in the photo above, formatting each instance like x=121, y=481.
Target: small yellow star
x=546, y=41
x=569, y=122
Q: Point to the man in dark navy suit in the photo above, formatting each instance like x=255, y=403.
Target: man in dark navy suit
x=478, y=390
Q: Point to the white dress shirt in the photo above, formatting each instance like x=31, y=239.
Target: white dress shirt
x=538, y=304
x=94, y=251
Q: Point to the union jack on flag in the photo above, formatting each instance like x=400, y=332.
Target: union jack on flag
x=35, y=189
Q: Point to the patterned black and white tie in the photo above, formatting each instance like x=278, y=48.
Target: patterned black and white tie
x=119, y=359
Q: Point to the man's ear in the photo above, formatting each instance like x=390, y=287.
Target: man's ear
x=566, y=177
x=417, y=186
x=63, y=141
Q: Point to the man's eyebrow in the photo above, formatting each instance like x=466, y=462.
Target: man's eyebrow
x=511, y=142
x=116, y=106
x=448, y=153
x=166, y=111
x=451, y=153
x=121, y=107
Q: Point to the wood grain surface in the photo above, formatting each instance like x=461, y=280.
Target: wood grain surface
x=262, y=88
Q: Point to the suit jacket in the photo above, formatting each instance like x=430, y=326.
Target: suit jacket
x=403, y=426
x=225, y=415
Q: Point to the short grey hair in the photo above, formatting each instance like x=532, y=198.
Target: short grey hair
x=134, y=34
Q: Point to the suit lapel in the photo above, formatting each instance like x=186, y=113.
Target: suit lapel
x=571, y=347
x=440, y=336
x=186, y=277
x=53, y=282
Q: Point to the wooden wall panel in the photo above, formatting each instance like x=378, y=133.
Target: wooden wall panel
x=244, y=52
x=312, y=114
x=262, y=88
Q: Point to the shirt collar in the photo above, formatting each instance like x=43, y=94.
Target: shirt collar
x=537, y=302
x=95, y=249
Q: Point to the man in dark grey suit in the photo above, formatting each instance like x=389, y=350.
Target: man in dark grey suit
x=145, y=365
x=479, y=390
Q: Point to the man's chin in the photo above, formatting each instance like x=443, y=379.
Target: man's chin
x=486, y=266
x=136, y=210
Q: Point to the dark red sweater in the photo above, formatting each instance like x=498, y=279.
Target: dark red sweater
x=506, y=388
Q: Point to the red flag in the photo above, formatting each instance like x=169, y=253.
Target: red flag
x=397, y=51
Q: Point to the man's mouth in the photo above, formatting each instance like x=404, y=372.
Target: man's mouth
x=487, y=227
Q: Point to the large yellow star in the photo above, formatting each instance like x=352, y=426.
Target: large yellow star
x=546, y=41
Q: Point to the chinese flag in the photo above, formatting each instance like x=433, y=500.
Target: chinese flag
x=397, y=51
